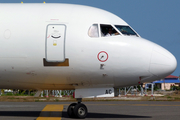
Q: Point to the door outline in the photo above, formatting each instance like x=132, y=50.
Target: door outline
x=47, y=36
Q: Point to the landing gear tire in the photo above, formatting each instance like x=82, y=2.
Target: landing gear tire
x=70, y=110
x=80, y=111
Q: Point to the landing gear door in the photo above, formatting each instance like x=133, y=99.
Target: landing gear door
x=55, y=43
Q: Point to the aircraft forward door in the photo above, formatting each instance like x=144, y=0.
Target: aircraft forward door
x=55, y=43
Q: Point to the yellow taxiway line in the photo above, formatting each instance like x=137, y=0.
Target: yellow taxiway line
x=51, y=112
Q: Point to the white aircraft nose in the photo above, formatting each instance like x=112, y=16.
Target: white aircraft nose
x=163, y=63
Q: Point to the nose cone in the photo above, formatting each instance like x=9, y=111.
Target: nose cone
x=163, y=63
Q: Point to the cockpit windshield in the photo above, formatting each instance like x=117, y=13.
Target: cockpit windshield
x=108, y=30
x=126, y=30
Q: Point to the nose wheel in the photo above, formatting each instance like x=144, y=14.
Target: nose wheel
x=80, y=110
x=77, y=110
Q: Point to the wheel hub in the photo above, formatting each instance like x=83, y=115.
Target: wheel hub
x=81, y=111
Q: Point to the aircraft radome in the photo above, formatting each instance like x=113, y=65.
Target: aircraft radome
x=64, y=46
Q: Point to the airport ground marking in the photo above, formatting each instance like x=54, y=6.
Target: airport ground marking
x=51, y=112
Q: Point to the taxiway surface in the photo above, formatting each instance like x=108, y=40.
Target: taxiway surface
x=110, y=110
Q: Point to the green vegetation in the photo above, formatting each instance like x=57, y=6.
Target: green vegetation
x=169, y=97
x=37, y=100
x=19, y=93
x=175, y=88
x=7, y=94
x=177, y=98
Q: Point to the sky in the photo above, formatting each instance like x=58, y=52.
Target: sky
x=155, y=20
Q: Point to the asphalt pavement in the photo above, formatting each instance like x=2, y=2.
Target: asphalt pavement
x=109, y=110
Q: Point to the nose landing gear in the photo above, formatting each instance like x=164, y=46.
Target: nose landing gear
x=77, y=110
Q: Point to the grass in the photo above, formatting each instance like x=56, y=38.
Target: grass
x=177, y=98
x=11, y=98
x=37, y=100
x=169, y=97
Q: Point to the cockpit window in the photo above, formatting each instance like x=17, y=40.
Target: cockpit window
x=108, y=30
x=126, y=30
x=93, y=31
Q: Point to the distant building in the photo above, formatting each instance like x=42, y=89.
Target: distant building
x=167, y=82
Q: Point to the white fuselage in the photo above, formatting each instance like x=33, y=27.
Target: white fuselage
x=24, y=47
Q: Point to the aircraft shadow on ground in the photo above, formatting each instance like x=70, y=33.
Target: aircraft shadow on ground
x=105, y=115
x=108, y=115
x=64, y=114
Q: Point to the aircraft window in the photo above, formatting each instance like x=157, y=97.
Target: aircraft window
x=93, y=31
x=126, y=30
x=108, y=30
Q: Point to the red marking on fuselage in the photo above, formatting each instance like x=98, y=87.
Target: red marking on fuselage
x=102, y=56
